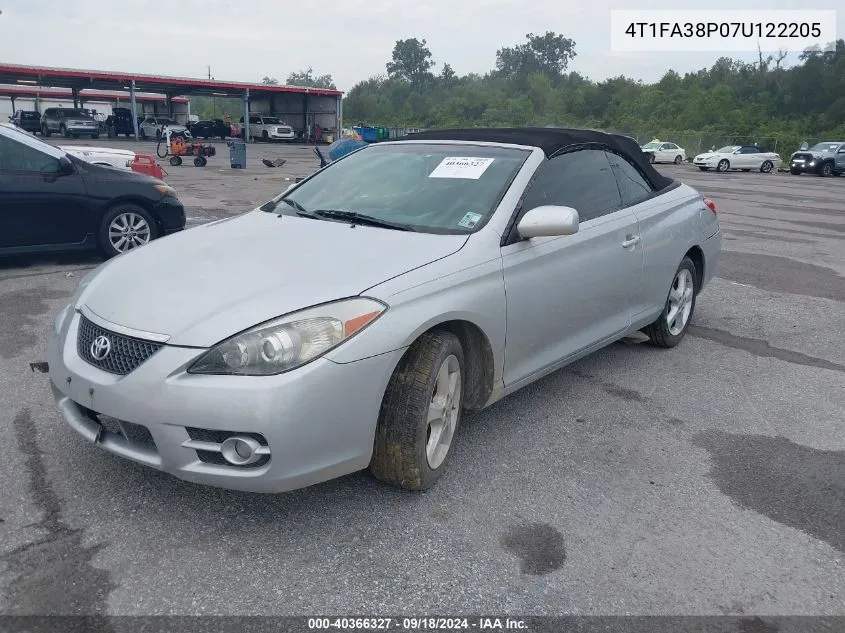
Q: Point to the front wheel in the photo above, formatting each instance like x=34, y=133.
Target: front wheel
x=671, y=326
x=766, y=167
x=175, y=160
x=142, y=134
x=795, y=172
x=63, y=131
x=678, y=159
x=827, y=169
x=126, y=227
x=723, y=165
x=651, y=158
x=45, y=131
x=420, y=413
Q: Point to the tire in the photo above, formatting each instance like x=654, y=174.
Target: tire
x=678, y=159
x=651, y=158
x=826, y=169
x=175, y=160
x=45, y=131
x=200, y=161
x=704, y=168
x=133, y=216
x=766, y=167
x=795, y=172
x=63, y=131
x=404, y=452
x=662, y=333
x=724, y=165
x=264, y=136
x=142, y=135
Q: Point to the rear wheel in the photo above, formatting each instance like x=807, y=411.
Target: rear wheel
x=420, y=413
x=126, y=227
x=723, y=165
x=200, y=161
x=63, y=131
x=766, y=167
x=671, y=326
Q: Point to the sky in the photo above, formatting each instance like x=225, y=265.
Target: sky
x=348, y=39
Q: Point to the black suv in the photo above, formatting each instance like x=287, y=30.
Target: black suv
x=28, y=120
x=69, y=122
x=120, y=122
x=208, y=129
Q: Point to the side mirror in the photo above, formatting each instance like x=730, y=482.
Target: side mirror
x=66, y=166
x=548, y=221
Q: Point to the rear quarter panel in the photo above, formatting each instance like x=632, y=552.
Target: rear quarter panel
x=670, y=224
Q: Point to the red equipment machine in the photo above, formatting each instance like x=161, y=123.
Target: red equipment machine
x=176, y=147
x=146, y=164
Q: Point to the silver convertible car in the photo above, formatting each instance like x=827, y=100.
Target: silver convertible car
x=347, y=323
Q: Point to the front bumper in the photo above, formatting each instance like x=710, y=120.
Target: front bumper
x=83, y=129
x=171, y=214
x=705, y=163
x=318, y=421
x=276, y=136
x=805, y=166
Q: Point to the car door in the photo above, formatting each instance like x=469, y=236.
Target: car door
x=41, y=205
x=566, y=294
x=840, y=158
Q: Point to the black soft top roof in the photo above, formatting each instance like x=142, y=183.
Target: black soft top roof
x=552, y=141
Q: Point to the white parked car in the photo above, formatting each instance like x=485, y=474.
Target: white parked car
x=269, y=128
x=107, y=156
x=152, y=127
x=744, y=157
x=658, y=152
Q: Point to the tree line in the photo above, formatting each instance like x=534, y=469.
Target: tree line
x=530, y=85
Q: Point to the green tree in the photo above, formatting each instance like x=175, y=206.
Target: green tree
x=270, y=81
x=548, y=54
x=306, y=78
x=411, y=61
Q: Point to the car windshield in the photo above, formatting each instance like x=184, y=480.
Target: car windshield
x=727, y=149
x=652, y=145
x=271, y=119
x=73, y=112
x=433, y=188
x=167, y=122
x=824, y=147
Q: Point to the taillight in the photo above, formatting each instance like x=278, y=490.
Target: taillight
x=710, y=205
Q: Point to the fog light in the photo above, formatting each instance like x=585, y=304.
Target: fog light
x=240, y=451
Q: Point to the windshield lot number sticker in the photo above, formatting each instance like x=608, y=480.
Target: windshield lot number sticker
x=461, y=167
x=469, y=220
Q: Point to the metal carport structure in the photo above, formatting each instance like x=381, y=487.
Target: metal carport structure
x=285, y=101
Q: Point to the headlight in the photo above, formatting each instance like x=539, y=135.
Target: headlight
x=167, y=190
x=289, y=341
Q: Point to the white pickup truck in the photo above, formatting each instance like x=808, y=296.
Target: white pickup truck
x=269, y=128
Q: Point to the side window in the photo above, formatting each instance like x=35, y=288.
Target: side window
x=749, y=150
x=254, y=120
x=15, y=156
x=582, y=180
x=632, y=186
x=841, y=149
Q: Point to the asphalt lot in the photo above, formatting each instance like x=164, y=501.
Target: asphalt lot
x=708, y=479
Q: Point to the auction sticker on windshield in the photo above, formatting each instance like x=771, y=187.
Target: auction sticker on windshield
x=470, y=220
x=461, y=167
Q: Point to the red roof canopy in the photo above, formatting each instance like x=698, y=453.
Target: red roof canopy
x=106, y=80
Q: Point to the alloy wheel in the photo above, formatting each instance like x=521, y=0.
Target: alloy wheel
x=680, y=302
x=443, y=411
x=128, y=231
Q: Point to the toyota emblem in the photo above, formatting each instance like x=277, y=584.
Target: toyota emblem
x=100, y=348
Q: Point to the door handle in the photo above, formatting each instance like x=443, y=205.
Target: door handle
x=631, y=241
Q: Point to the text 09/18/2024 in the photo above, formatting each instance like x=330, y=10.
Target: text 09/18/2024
x=721, y=31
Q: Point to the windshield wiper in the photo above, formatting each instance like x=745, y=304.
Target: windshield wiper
x=300, y=210
x=360, y=218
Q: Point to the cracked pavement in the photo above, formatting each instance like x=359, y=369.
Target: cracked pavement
x=704, y=480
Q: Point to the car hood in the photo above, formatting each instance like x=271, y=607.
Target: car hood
x=804, y=152
x=84, y=150
x=205, y=284
x=706, y=156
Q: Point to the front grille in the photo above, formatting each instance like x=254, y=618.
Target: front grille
x=803, y=156
x=124, y=355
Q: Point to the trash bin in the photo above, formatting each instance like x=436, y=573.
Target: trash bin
x=237, y=154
